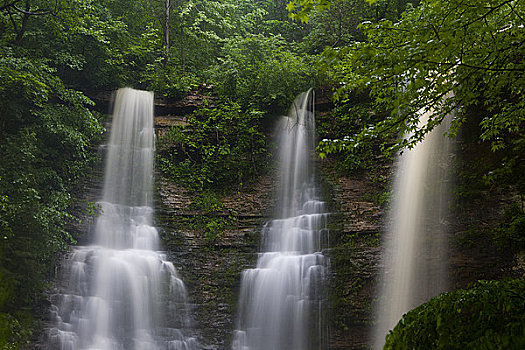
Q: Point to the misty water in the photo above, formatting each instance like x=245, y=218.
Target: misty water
x=281, y=299
x=121, y=293
x=414, y=262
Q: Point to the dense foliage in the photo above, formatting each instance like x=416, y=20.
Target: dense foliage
x=46, y=138
x=264, y=72
x=449, y=57
x=489, y=315
x=255, y=68
x=47, y=133
x=220, y=148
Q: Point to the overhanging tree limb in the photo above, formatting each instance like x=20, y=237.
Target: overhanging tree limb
x=461, y=64
x=6, y=6
x=31, y=13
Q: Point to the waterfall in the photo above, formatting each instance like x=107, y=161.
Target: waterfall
x=414, y=262
x=121, y=293
x=280, y=304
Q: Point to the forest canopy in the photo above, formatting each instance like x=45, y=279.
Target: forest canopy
x=443, y=57
x=385, y=61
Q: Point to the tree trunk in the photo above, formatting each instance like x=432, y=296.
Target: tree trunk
x=182, y=54
x=167, y=32
x=20, y=31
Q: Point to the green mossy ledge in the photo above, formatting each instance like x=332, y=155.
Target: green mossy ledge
x=489, y=315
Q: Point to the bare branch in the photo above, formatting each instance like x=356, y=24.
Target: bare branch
x=490, y=10
x=31, y=13
x=13, y=22
x=461, y=64
x=6, y=6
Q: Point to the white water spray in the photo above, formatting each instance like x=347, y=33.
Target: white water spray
x=121, y=294
x=281, y=299
x=414, y=262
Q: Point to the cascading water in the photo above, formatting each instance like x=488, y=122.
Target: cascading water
x=121, y=294
x=414, y=263
x=280, y=301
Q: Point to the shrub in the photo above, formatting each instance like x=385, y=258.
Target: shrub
x=489, y=315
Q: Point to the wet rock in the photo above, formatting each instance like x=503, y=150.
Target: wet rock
x=354, y=258
x=212, y=270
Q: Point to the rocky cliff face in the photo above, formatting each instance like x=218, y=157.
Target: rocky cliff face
x=354, y=256
x=477, y=250
x=211, y=270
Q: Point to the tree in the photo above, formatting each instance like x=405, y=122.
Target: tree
x=263, y=71
x=445, y=57
x=300, y=9
x=47, y=131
